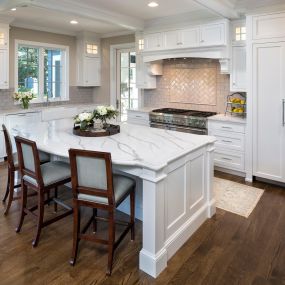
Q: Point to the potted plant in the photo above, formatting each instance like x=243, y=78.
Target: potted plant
x=104, y=113
x=24, y=98
x=84, y=120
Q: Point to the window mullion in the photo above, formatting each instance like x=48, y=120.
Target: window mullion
x=41, y=74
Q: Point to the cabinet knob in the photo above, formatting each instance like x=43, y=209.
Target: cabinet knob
x=202, y=41
x=234, y=83
x=158, y=45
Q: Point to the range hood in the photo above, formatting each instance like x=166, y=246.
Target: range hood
x=220, y=53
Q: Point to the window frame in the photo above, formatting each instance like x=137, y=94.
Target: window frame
x=65, y=69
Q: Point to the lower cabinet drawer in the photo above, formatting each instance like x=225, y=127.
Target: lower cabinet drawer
x=226, y=127
x=234, y=160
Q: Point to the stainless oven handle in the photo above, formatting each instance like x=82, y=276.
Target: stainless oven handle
x=283, y=112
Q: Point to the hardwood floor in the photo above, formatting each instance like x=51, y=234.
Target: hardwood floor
x=228, y=249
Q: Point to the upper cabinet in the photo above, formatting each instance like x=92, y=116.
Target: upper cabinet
x=213, y=34
x=185, y=38
x=88, y=60
x=4, y=56
x=238, y=62
x=208, y=35
x=153, y=41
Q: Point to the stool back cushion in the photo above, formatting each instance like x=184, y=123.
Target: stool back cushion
x=91, y=174
x=28, y=157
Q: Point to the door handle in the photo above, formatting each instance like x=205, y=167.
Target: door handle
x=283, y=112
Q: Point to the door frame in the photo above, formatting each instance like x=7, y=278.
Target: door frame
x=114, y=71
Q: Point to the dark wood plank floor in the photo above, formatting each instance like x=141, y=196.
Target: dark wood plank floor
x=228, y=249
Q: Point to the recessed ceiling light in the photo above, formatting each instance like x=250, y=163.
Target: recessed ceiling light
x=13, y=9
x=152, y=4
x=73, y=22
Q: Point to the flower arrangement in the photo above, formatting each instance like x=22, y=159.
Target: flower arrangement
x=104, y=113
x=24, y=98
x=84, y=120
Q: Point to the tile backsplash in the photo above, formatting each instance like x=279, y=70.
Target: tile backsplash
x=191, y=83
x=77, y=95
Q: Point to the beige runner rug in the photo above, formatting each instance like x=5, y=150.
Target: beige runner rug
x=235, y=197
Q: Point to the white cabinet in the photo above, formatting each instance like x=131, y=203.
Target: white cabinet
x=57, y=113
x=238, y=69
x=213, y=34
x=4, y=56
x=88, y=60
x=185, y=38
x=268, y=26
x=143, y=79
x=153, y=41
x=268, y=87
x=230, y=144
x=4, y=69
x=2, y=141
x=138, y=117
x=190, y=37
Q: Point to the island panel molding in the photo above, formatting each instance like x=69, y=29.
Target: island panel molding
x=173, y=170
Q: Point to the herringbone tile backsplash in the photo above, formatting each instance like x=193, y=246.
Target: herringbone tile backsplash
x=191, y=83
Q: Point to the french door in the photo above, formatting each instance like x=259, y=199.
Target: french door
x=127, y=93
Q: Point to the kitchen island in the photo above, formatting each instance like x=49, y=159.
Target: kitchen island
x=174, y=173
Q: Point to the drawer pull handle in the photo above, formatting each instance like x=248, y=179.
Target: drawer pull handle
x=223, y=127
x=225, y=158
x=138, y=116
x=226, y=141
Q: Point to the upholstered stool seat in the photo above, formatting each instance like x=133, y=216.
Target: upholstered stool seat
x=52, y=172
x=122, y=188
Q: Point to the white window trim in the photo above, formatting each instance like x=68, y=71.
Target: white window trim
x=65, y=64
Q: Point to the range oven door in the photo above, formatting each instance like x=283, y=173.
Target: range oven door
x=179, y=129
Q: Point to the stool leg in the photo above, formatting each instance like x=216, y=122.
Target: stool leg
x=94, y=220
x=76, y=231
x=23, y=207
x=132, y=217
x=7, y=188
x=111, y=242
x=11, y=191
x=40, y=217
x=55, y=196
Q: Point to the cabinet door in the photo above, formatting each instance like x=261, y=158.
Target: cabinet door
x=153, y=41
x=268, y=111
x=238, y=72
x=212, y=35
x=190, y=37
x=172, y=40
x=4, y=69
x=92, y=71
x=4, y=36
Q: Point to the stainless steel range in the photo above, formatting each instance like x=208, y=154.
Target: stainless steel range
x=188, y=121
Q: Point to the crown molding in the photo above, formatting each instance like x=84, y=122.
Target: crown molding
x=117, y=34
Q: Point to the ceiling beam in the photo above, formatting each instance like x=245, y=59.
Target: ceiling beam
x=75, y=8
x=223, y=8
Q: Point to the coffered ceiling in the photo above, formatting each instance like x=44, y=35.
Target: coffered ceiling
x=117, y=16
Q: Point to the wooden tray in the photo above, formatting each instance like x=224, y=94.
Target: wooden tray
x=93, y=132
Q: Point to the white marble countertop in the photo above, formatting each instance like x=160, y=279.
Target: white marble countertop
x=227, y=118
x=18, y=110
x=141, y=146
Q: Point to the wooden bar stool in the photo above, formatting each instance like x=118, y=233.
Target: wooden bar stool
x=95, y=186
x=13, y=167
x=41, y=179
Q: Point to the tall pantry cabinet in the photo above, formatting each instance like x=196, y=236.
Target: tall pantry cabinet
x=267, y=108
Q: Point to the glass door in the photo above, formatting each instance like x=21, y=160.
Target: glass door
x=127, y=93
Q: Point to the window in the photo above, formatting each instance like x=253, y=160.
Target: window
x=92, y=49
x=240, y=34
x=141, y=44
x=42, y=69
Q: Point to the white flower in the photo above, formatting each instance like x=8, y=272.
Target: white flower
x=85, y=116
x=102, y=110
